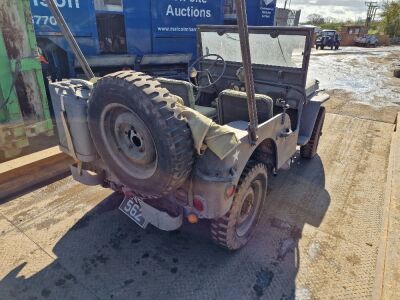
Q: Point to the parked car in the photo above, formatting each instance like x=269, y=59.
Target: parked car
x=328, y=38
x=367, y=41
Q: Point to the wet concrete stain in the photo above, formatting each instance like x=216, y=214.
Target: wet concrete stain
x=128, y=282
x=117, y=238
x=156, y=257
x=71, y=278
x=286, y=245
x=263, y=281
x=46, y=224
x=135, y=241
x=45, y=293
x=368, y=76
x=101, y=258
x=354, y=259
x=93, y=262
x=314, y=250
x=60, y=282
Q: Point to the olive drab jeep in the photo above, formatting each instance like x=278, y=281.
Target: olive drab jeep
x=201, y=148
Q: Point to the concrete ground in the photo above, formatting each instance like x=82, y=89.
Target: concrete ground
x=320, y=236
x=329, y=229
x=362, y=75
x=390, y=263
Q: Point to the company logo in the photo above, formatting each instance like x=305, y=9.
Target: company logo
x=266, y=3
x=59, y=3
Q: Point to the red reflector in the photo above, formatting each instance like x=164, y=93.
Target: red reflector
x=230, y=191
x=198, y=204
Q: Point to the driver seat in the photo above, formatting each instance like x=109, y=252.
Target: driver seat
x=184, y=90
x=232, y=106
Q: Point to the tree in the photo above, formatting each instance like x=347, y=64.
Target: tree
x=330, y=20
x=316, y=19
x=391, y=18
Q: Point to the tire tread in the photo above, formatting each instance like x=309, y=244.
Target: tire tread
x=160, y=102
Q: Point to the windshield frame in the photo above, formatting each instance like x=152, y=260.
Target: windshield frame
x=267, y=30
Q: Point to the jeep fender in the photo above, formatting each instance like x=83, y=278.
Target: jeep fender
x=309, y=117
x=213, y=177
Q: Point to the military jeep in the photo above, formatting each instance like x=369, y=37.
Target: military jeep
x=126, y=132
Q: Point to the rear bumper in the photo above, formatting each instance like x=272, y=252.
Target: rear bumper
x=161, y=219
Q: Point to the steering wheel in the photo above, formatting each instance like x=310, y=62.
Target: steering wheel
x=199, y=75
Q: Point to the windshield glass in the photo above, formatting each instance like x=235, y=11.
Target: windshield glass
x=329, y=33
x=282, y=51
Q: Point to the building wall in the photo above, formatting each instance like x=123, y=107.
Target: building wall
x=350, y=33
x=287, y=17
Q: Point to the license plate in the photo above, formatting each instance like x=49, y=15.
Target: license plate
x=132, y=208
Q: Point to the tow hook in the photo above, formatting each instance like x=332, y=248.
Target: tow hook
x=287, y=132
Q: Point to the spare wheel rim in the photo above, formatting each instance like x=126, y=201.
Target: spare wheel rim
x=129, y=141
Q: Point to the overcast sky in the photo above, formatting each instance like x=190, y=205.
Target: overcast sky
x=339, y=9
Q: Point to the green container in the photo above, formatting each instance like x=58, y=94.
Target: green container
x=24, y=110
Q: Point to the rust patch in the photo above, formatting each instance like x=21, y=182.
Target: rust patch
x=25, y=94
x=13, y=37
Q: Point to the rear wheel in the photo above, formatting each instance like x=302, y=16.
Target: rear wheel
x=235, y=229
x=310, y=150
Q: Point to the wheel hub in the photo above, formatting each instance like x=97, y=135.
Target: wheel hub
x=248, y=211
x=130, y=140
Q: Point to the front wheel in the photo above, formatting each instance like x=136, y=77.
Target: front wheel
x=235, y=229
x=310, y=150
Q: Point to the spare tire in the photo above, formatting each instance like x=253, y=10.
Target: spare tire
x=137, y=135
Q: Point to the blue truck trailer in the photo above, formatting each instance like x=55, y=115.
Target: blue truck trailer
x=155, y=36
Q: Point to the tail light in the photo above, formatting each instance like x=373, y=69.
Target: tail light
x=230, y=191
x=198, y=203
